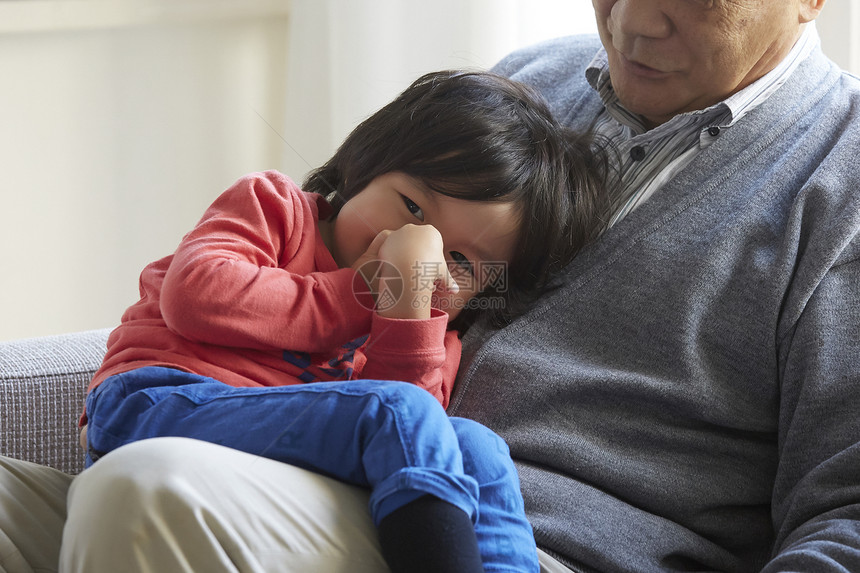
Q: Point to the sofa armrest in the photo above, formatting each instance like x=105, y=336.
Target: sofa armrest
x=43, y=383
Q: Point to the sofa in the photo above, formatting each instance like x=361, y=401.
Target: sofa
x=43, y=384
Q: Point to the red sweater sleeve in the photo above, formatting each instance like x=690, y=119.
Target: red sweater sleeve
x=423, y=352
x=245, y=277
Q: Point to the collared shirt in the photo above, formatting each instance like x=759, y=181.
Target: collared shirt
x=647, y=159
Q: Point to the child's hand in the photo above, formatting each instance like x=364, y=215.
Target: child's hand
x=368, y=264
x=412, y=267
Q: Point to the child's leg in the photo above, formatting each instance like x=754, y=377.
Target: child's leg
x=505, y=537
x=429, y=535
x=391, y=436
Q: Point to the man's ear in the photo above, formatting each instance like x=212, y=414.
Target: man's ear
x=810, y=9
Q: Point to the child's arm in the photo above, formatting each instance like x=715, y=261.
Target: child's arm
x=409, y=340
x=422, y=352
x=245, y=275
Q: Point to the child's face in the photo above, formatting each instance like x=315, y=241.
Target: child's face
x=479, y=237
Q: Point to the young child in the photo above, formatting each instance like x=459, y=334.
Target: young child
x=316, y=327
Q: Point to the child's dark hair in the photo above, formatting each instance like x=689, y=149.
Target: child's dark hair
x=482, y=137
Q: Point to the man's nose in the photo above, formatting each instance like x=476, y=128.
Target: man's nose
x=632, y=19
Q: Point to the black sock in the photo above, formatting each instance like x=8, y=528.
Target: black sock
x=429, y=535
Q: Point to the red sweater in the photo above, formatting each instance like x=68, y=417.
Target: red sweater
x=252, y=297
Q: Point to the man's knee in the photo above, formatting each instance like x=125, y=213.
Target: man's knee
x=151, y=458
x=176, y=500
x=136, y=481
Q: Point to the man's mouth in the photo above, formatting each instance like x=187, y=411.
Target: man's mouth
x=640, y=69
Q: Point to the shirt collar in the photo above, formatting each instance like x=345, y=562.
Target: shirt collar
x=724, y=113
x=757, y=92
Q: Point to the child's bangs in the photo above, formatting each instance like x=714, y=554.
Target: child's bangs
x=454, y=175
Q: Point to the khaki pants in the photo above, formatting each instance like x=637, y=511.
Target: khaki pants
x=216, y=509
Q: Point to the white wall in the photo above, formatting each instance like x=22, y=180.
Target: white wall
x=839, y=28
x=118, y=128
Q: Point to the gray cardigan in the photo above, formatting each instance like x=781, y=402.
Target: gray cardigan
x=690, y=398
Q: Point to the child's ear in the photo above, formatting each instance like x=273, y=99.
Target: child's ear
x=335, y=198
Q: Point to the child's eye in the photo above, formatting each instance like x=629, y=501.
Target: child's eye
x=461, y=261
x=413, y=208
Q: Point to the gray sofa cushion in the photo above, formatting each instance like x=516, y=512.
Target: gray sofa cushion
x=43, y=384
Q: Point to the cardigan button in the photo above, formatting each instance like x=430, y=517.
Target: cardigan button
x=714, y=130
x=637, y=153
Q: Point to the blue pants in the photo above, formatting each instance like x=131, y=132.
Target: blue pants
x=390, y=436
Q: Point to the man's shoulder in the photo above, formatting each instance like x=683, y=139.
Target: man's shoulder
x=556, y=68
x=818, y=76
x=828, y=97
x=850, y=85
x=557, y=54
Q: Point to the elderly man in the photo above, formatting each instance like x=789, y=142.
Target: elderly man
x=687, y=400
